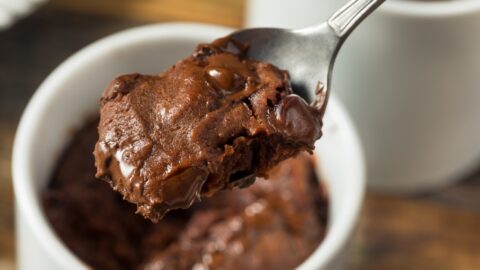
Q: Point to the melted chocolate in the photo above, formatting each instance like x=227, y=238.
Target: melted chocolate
x=297, y=119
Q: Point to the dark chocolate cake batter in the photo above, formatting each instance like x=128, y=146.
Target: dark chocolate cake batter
x=274, y=224
x=213, y=121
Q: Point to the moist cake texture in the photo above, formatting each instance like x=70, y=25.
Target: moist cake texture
x=274, y=224
x=213, y=121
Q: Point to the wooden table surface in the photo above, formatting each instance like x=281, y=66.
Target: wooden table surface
x=437, y=230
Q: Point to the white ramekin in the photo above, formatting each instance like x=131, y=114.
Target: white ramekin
x=409, y=78
x=70, y=94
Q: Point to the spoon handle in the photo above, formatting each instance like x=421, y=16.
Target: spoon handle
x=349, y=16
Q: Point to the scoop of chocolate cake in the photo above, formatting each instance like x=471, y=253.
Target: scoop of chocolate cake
x=213, y=121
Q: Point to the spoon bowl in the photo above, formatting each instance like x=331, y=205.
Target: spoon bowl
x=308, y=54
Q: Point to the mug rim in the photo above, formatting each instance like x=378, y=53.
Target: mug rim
x=25, y=195
x=430, y=9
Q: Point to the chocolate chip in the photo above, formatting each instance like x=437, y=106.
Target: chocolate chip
x=297, y=119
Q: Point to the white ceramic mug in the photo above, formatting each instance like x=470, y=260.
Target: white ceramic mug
x=70, y=94
x=410, y=77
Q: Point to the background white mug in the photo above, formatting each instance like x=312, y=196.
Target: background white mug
x=70, y=95
x=410, y=77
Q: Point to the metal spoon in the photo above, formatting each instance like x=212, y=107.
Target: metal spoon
x=308, y=54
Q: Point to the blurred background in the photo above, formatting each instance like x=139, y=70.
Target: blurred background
x=438, y=229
